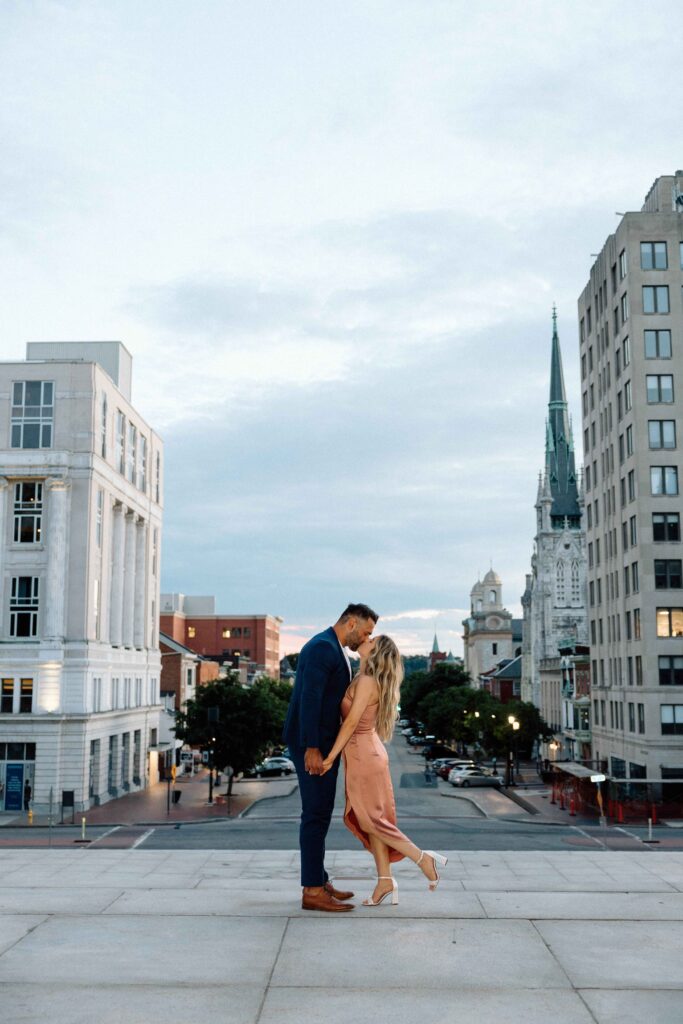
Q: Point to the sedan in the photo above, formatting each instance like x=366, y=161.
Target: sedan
x=474, y=777
x=417, y=741
x=274, y=766
x=451, y=764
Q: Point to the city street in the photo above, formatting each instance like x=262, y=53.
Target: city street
x=433, y=816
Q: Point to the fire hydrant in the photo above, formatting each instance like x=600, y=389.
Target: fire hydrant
x=30, y=816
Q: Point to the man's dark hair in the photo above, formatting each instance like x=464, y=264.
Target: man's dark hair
x=358, y=611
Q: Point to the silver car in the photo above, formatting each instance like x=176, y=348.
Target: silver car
x=474, y=777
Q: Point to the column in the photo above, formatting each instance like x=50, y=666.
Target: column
x=129, y=581
x=56, y=541
x=139, y=623
x=116, y=590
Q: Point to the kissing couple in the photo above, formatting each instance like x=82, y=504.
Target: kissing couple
x=333, y=713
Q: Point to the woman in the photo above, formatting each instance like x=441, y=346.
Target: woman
x=368, y=711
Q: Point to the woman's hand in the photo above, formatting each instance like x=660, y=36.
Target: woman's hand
x=327, y=764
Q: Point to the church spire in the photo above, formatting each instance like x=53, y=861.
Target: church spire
x=559, y=448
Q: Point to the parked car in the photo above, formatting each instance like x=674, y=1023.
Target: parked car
x=274, y=766
x=403, y=723
x=451, y=763
x=408, y=731
x=474, y=777
x=417, y=740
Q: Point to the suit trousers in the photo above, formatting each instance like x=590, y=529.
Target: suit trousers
x=317, y=803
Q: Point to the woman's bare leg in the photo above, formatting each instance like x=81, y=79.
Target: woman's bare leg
x=380, y=851
x=409, y=850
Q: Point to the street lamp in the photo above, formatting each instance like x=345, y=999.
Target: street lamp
x=512, y=751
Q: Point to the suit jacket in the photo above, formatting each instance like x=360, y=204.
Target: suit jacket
x=322, y=676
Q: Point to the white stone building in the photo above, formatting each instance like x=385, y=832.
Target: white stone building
x=490, y=634
x=554, y=602
x=80, y=529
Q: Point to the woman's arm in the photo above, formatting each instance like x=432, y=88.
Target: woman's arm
x=365, y=691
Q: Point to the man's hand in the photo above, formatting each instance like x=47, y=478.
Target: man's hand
x=313, y=761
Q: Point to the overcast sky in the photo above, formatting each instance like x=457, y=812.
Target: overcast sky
x=331, y=233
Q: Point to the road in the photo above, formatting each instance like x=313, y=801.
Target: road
x=430, y=818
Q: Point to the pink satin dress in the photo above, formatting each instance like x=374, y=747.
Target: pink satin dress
x=370, y=804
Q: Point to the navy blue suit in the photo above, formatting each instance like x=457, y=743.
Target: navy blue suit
x=313, y=719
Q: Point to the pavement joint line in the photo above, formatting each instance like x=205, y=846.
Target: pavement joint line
x=266, y=988
x=103, y=836
x=562, y=968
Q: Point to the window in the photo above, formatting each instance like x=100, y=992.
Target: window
x=7, y=697
x=669, y=622
x=653, y=256
x=97, y=694
x=639, y=670
x=636, y=623
x=632, y=485
x=655, y=298
x=628, y=396
x=142, y=465
x=626, y=351
x=26, y=696
x=191, y=632
x=103, y=428
x=624, y=307
x=635, y=585
x=670, y=671
x=28, y=512
x=660, y=388
x=631, y=717
x=667, y=573
x=559, y=584
x=24, y=606
x=155, y=550
x=666, y=526
x=629, y=441
x=658, y=344
x=494, y=648
x=131, y=453
x=32, y=413
x=99, y=511
x=663, y=480
x=157, y=479
x=633, y=530
x=672, y=719
x=641, y=718
x=622, y=265
x=120, y=441
x=226, y=634
x=662, y=433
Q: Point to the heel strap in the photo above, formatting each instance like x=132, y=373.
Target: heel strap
x=419, y=859
x=379, y=877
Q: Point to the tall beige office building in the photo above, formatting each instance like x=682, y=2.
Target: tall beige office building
x=631, y=340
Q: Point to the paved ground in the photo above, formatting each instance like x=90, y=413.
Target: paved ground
x=101, y=936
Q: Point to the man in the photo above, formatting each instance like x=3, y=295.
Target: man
x=322, y=677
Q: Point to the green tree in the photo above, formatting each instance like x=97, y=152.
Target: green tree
x=249, y=720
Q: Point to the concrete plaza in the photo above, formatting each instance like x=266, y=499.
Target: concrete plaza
x=93, y=936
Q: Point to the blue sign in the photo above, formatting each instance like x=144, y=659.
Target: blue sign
x=14, y=787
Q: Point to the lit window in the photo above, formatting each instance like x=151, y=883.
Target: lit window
x=226, y=634
x=28, y=509
x=669, y=622
x=191, y=632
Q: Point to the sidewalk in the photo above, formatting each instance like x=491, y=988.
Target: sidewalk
x=150, y=806
x=584, y=937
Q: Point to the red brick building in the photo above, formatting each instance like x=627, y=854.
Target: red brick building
x=227, y=639
x=183, y=671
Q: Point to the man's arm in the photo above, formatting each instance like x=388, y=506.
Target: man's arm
x=315, y=674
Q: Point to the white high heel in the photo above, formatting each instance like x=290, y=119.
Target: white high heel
x=393, y=892
x=438, y=858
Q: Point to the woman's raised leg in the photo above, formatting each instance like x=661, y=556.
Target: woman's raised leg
x=380, y=851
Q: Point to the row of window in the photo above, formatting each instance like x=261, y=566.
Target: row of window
x=226, y=632
x=16, y=695
x=669, y=620
x=616, y=715
x=659, y=390
x=653, y=256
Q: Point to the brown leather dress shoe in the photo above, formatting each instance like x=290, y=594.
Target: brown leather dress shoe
x=339, y=894
x=325, y=901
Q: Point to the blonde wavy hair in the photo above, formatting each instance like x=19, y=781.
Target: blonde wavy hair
x=385, y=665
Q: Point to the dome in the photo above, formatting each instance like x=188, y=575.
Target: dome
x=477, y=590
x=492, y=577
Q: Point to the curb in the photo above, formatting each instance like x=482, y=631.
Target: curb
x=262, y=799
x=470, y=800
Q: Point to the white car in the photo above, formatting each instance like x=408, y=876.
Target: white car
x=274, y=766
x=474, y=777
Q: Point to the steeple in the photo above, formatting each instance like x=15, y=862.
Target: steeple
x=560, y=466
x=435, y=646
